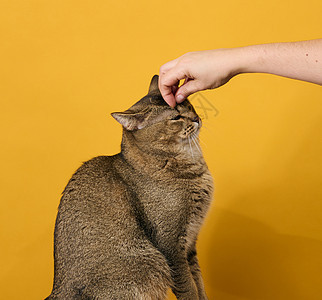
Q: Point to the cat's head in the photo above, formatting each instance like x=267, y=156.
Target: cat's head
x=156, y=125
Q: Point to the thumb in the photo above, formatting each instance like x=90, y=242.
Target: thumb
x=185, y=90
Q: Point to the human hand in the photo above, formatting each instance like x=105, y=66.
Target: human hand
x=201, y=70
x=212, y=68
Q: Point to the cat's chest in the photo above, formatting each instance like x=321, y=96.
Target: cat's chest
x=200, y=195
x=185, y=199
x=187, y=190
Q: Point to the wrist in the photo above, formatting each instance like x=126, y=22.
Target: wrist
x=250, y=59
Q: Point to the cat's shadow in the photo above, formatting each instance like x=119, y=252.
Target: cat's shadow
x=242, y=258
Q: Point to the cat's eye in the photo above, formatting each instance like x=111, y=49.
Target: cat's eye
x=177, y=117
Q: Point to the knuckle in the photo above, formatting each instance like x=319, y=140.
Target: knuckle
x=162, y=70
x=185, y=91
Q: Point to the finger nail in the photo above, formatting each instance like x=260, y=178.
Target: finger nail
x=179, y=98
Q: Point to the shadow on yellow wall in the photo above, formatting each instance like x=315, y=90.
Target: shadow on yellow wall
x=253, y=261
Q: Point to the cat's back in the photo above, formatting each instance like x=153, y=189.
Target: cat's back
x=96, y=195
x=95, y=181
x=98, y=238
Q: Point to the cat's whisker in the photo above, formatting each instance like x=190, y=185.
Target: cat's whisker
x=196, y=144
x=208, y=128
x=190, y=146
x=197, y=136
x=205, y=127
x=193, y=136
x=202, y=142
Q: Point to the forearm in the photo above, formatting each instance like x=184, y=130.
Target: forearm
x=298, y=60
x=212, y=68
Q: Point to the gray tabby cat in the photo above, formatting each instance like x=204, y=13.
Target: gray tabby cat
x=127, y=224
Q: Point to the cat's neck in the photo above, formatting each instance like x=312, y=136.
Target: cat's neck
x=148, y=160
x=141, y=157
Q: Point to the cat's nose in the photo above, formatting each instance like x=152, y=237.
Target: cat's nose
x=196, y=119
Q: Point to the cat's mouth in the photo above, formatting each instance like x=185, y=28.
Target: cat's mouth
x=190, y=139
x=192, y=130
x=197, y=125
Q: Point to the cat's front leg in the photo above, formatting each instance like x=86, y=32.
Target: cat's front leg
x=184, y=286
x=196, y=273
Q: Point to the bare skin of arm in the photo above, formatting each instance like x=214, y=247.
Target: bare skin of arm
x=212, y=68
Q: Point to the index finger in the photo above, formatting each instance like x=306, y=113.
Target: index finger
x=167, y=91
x=167, y=82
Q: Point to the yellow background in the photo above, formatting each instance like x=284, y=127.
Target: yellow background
x=66, y=65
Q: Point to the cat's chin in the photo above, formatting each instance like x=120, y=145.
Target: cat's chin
x=197, y=127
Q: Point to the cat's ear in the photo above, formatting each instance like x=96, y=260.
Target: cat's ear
x=130, y=120
x=154, y=85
